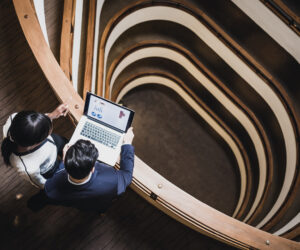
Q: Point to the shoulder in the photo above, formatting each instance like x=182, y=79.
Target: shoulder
x=56, y=185
x=100, y=166
x=59, y=178
x=43, y=155
x=105, y=173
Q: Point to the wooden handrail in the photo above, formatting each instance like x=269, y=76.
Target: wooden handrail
x=180, y=213
x=167, y=47
x=250, y=60
x=44, y=56
x=281, y=93
x=288, y=10
x=115, y=19
x=292, y=19
x=288, y=202
x=218, y=82
x=89, y=48
x=104, y=36
x=206, y=219
x=151, y=43
x=122, y=85
x=293, y=233
x=291, y=229
x=218, y=31
x=66, y=38
x=199, y=102
x=272, y=25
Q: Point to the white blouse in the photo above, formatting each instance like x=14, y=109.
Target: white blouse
x=29, y=163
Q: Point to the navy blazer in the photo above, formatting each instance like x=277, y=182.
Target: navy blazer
x=105, y=184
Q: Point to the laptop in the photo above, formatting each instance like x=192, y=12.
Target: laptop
x=104, y=123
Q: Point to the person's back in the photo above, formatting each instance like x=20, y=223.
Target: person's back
x=88, y=184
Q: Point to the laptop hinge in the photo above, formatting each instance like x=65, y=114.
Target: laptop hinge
x=104, y=124
x=153, y=196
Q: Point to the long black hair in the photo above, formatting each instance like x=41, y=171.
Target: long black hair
x=27, y=128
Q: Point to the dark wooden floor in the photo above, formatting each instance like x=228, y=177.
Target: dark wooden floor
x=131, y=223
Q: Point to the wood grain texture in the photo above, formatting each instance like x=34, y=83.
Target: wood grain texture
x=87, y=84
x=66, y=38
x=293, y=233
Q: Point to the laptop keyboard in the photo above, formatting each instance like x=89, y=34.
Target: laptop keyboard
x=99, y=134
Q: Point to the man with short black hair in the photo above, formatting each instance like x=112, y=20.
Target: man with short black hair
x=88, y=184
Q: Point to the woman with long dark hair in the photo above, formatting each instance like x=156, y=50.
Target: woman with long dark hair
x=30, y=147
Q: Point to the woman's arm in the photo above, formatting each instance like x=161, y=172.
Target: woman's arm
x=61, y=110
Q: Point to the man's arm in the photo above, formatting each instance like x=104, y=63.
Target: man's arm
x=126, y=162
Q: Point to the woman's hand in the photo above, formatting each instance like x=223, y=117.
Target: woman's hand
x=61, y=110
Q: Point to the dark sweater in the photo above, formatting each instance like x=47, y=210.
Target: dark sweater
x=105, y=184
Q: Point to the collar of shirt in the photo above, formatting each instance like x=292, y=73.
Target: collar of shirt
x=81, y=183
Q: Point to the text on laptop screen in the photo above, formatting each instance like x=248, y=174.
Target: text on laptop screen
x=108, y=113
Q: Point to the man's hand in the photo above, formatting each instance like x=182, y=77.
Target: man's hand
x=128, y=137
x=61, y=110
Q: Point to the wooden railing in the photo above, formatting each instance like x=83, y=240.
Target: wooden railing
x=285, y=12
x=67, y=38
x=144, y=4
x=117, y=87
x=150, y=185
x=102, y=46
x=89, y=48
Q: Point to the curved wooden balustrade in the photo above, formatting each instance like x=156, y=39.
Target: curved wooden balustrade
x=197, y=9
x=288, y=7
x=147, y=182
x=195, y=61
x=66, y=38
x=87, y=85
x=290, y=230
x=258, y=209
x=272, y=25
x=286, y=12
x=106, y=32
x=293, y=233
x=169, y=56
x=210, y=117
x=161, y=44
x=54, y=74
x=172, y=45
x=257, y=60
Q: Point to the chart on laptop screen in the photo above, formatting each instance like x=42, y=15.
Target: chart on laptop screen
x=108, y=113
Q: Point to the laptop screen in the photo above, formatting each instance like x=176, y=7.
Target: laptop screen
x=108, y=112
